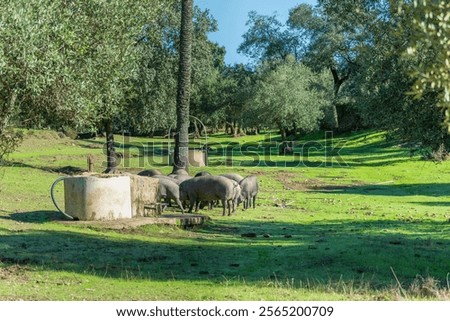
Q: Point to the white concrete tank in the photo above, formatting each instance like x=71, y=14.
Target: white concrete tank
x=196, y=158
x=98, y=197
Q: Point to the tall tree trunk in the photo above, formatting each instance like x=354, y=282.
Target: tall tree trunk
x=184, y=86
x=197, y=133
x=227, y=128
x=111, y=156
x=283, y=132
x=337, y=86
x=235, y=129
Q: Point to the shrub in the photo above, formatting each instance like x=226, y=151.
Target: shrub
x=9, y=141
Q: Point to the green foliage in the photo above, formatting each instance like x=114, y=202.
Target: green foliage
x=9, y=141
x=373, y=37
x=328, y=45
x=70, y=62
x=34, y=78
x=111, y=61
x=235, y=94
x=320, y=37
x=118, y=60
x=380, y=90
x=207, y=66
x=152, y=100
x=292, y=97
x=267, y=39
x=430, y=43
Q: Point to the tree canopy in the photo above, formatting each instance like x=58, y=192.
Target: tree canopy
x=430, y=38
x=342, y=64
x=292, y=97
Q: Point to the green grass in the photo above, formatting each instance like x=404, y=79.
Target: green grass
x=362, y=221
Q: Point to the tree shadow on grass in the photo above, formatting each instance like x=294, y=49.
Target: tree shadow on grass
x=322, y=251
x=445, y=204
x=306, y=153
x=265, y=158
x=64, y=170
x=37, y=217
x=432, y=189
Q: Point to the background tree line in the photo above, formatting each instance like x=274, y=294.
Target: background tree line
x=112, y=66
x=388, y=62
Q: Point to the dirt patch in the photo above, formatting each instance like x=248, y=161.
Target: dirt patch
x=257, y=173
x=292, y=181
x=336, y=187
x=13, y=272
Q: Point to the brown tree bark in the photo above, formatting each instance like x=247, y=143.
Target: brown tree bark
x=337, y=86
x=111, y=156
x=184, y=86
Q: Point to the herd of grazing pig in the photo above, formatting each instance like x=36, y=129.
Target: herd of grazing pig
x=231, y=189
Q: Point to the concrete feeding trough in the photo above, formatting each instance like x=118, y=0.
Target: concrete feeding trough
x=109, y=197
x=117, y=202
x=144, y=196
x=90, y=198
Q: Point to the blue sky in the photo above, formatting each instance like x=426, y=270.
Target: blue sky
x=232, y=15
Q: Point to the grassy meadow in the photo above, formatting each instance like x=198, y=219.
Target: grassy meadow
x=354, y=217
